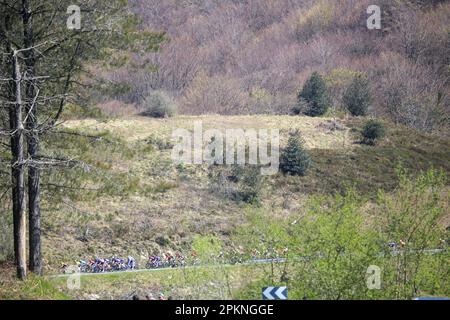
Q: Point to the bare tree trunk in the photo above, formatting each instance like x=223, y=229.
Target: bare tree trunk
x=34, y=210
x=17, y=170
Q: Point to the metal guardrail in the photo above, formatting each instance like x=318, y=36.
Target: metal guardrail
x=248, y=262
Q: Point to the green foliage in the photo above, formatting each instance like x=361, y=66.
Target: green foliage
x=263, y=237
x=372, y=131
x=357, y=97
x=301, y=107
x=412, y=216
x=294, y=159
x=337, y=247
x=330, y=244
x=159, y=105
x=159, y=143
x=207, y=248
x=33, y=288
x=249, y=182
x=326, y=249
x=314, y=94
x=338, y=80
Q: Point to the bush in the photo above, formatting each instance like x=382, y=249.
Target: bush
x=314, y=93
x=250, y=184
x=159, y=105
x=295, y=160
x=237, y=182
x=159, y=142
x=336, y=244
x=301, y=107
x=357, y=97
x=372, y=131
x=215, y=94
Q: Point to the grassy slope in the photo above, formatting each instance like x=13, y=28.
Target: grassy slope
x=212, y=282
x=167, y=206
x=35, y=288
x=159, y=207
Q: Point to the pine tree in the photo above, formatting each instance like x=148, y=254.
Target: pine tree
x=42, y=62
x=314, y=93
x=372, y=131
x=357, y=96
x=295, y=160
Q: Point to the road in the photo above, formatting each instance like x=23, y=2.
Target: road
x=250, y=262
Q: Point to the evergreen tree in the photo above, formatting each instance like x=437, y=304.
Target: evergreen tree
x=295, y=160
x=314, y=93
x=372, y=131
x=357, y=96
x=46, y=59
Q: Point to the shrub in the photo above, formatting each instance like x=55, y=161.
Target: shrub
x=336, y=244
x=261, y=101
x=238, y=182
x=159, y=142
x=357, y=97
x=295, y=160
x=250, y=184
x=214, y=94
x=314, y=93
x=301, y=107
x=159, y=105
x=338, y=80
x=120, y=230
x=372, y=131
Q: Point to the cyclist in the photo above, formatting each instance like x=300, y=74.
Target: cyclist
x=131, y=263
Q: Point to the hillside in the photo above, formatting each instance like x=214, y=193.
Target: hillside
x=131, y=199
x=149, y=205
x=90, y=105
x=252, y=57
